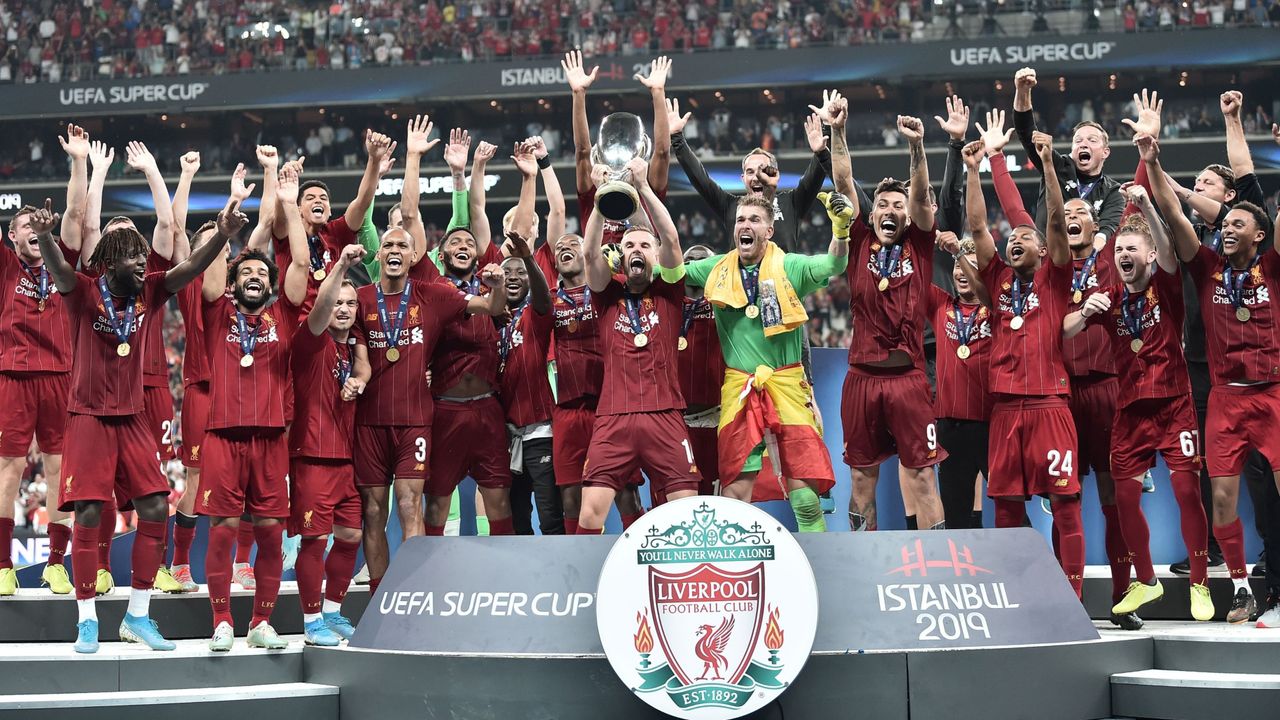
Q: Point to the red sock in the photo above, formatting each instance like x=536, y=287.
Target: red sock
x=1195, y=532
x=1231, y=540
x=84, y=561
x=570, y=526
x=438, y=530
x=1066, y=518
x=338, y=569
x=59, y=539
x=183, y=536
x=148, y=552
x=6, y=542
x=373, y=585
x=629, y=520
x=582, y=530
x=244, y=541
x=217, y=570
x=1121, y=559
x=1010, y=513
x=501, y=527
x=1055, y=539
x=310, y=570
x=267, y=569
x=106, y=532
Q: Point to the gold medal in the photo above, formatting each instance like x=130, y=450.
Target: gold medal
x=40, y=305
x=320, y=274
x=753, y=312
x=883, y=285
x=393, y=354
x=1016, y=323
x=123, y=349
x=1136, y=345
x=683, y=344
x=1077, y=296
x=1243, y=314
x=573, y=325
x=246, y=361
x=641, y=340
x=963, y=352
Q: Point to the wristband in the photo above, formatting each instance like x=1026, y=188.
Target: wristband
x=544, y=162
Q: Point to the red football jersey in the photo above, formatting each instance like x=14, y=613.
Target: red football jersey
x=323, y=423
x=397, y=393
x=524, y=386
x=326, y=244
x=579, y=357
x=254, y=396
x=195, y=362
x=892, y=319
x=470, y=344
x=155, y=363
x=1028, y=361
x=1089, y=353
x=102, y=382
x=1158, y=369
x=1239, y=350
x=612, y=230
x=640, y=379
x=962, y=382
x=31, y=339
x=701, y=364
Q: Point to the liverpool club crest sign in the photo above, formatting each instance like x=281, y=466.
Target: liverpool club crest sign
x=707, y=608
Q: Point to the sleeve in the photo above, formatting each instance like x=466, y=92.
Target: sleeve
x=711, y=193
x=697, y=272
x=158, y=263
x=425, y=270
x=1024, y=123
x=305, y=344
x=1112, y=210
x=9, y=258
x=544, y=257
x=155, y=289
x=358, y=330
x=461, y=217
x=339, y=236
x=935, y=299
x=367, y=236
x=811, y=182
x=1007, y=193
x=1202, y=263
x=990, y=275
x=1249, y=189
x=810, y=272
x=492, y=254
x=951, y=194
x=73, y=256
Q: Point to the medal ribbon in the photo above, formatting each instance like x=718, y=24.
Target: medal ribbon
x=1086, y=189
x=248, y=340
x=344, y=366
x=471, y=286
x=751, y=283
x=1233, y=281
x=42, y=283
x=1133, y=318
x=1017, y=297
x=578, y=310
x=392, y=329
x=122, y=329
x=1080, y=278
x=633, y=311
x=887, y=260
x=1216, y=243
x=509, y=331
x=964, y=325
x=690, y=310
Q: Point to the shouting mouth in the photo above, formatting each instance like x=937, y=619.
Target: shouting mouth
x=394, y=262
x=636, y=264
x=746, y=241
x=1084, y=156
x=1126, y=266
x=254, y=286
x=317, y=212
x=889, y=228
x=1016, y=252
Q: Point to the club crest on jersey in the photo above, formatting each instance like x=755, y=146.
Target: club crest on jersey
x=708, y=613
x=306, y=518
x=66, y=484
x=204, y=497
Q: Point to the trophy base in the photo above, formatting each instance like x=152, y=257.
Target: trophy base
x=617, y=201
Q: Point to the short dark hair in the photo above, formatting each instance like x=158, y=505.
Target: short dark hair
x=1227, y=174
x=1034, y=231
x=206, y=227
x=757, y=202
x=273, y=273
x=1106, y=139
x=118, y=218
x=310, y=184
x=891, y=185
x=1259, y=215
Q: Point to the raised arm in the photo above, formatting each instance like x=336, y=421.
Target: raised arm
x=524, y=218
x=660, y=163
x=495, y=302
x=539, y=292
x=994, y=139
x=417, y=144
x=76, y=144
x=822, y=163
x=918, y=207
x=840, y=210
x=138, y=157
x=476, y=199
x=1237, y=147
x=269, y=161
x=598, y=274
x=456, y=153
x=1183, y=236
x=551, y=184
x=379, y=147
x=230, y=222
x=1055, y=229
x=976, y=205
x=43, y=221
x=711, y=192
x=579, y=81
x=950, y=207
x=190, y=162
x=1024, y=122
x=318, y=318
x=670, y=256
x=100, y=158
x=294, y=285
x=1166, y=258
x=834, y=113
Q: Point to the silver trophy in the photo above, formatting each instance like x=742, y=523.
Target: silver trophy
x=622, y=138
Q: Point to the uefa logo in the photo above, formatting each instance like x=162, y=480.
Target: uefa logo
x=707, y=608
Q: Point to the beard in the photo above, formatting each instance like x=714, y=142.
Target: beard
x=250, y=303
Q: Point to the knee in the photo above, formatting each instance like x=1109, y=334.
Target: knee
x=88, y=514
x=152, y=508
x=348, y=535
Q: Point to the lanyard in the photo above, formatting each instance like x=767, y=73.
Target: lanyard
x=887, y=261
x=1133, y=318
x=633, y=311
x=344, y=366
x=1086, y=189
x=1216, y=243
x=751, y=283
x=123, y=327
x=964, y=325
x=509, y=331
x=1018, y=297
x=1233, y=281
x=248, y=340
x=577, y=309
x=690, y=309
x=1080, y=278
x=471, y=286
x=392, y=329
x=42, y=283
x=317, y=254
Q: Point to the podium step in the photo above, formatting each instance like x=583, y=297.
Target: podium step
x=1217, y=648
x=296, y=699
x=1193, y=695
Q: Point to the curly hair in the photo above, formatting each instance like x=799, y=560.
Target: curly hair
x=117, y=244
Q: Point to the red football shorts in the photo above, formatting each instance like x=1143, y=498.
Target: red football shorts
x=323, y=494
x=159, y=403
x=109, y=458
x=1164, y=424
x=244, y=470
x=888, y=414
x=470, y=439
x=1032, y=450
x=654, y=442
x=385, y=452
x=570, y=438
x=195, y=416
x=35, y=406
x=1240, y=418
x=1093, y=407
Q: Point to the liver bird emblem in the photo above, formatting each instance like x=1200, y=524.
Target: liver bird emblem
x=711, y=645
